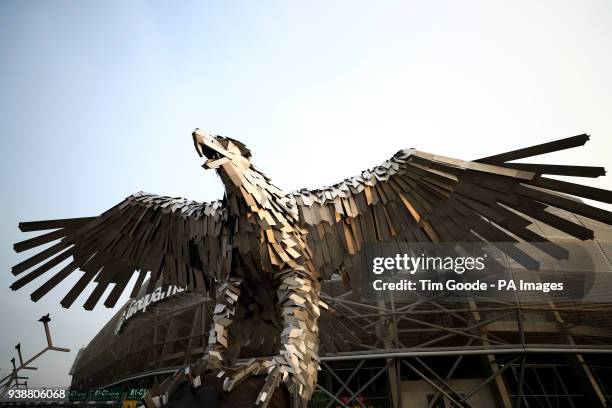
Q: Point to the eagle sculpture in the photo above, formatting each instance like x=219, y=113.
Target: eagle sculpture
x=263, y=252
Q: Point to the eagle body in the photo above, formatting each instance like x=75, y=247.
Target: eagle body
x=266, y=231
x=267, y=265
x=262, y=252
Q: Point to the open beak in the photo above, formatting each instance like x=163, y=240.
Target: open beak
x=207, y=146
x=199, y=141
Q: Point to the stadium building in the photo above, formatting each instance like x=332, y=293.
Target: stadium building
x=478, y=352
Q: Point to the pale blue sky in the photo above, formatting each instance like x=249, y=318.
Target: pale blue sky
x=99, y=99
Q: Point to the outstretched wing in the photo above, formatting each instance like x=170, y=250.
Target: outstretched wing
x=171, y=237
x=417, y=196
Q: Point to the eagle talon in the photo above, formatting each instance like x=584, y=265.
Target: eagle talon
x=273, y=381
x=193, y=375
x=228, y=378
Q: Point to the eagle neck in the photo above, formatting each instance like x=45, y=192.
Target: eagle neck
x=244, y=188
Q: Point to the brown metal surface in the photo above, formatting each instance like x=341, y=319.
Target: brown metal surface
x=264, y=252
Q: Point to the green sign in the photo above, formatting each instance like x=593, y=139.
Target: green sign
x=106, y=394
x=78, y=395
x=136, y=393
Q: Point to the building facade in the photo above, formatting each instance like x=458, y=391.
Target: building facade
x=476, y=352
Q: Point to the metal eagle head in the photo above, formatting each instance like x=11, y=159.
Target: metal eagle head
x=220, y=150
